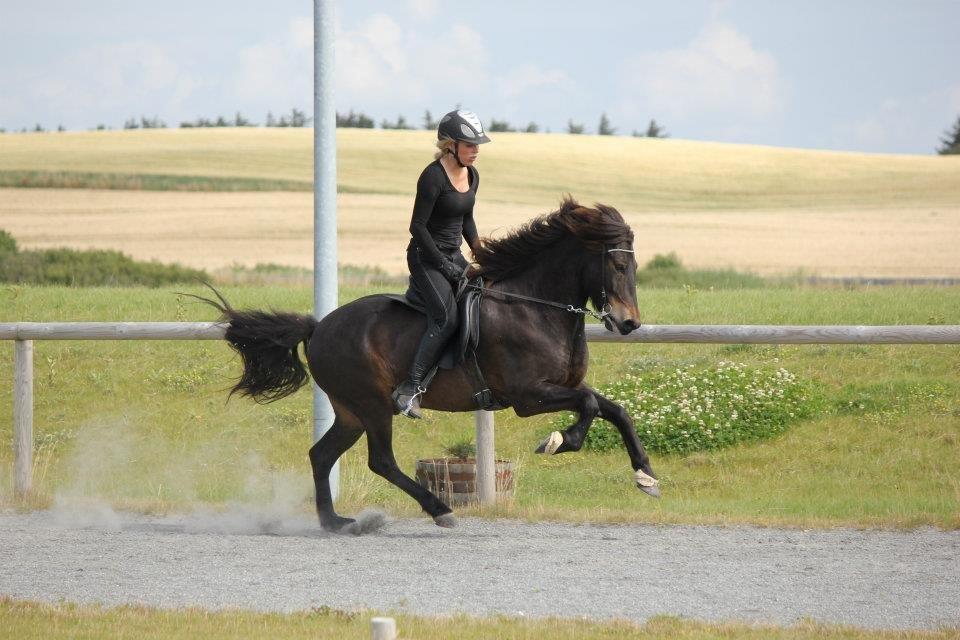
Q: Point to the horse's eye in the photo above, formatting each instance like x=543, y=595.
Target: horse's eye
x=620, y=268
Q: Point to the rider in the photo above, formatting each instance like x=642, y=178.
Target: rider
x=442, y=212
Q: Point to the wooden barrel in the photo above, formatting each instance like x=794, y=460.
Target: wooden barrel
x=454, y=480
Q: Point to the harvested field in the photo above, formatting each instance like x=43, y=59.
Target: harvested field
x=214, y=230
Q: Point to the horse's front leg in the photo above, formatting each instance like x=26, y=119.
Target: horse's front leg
x=643, y=474
x=548, y=398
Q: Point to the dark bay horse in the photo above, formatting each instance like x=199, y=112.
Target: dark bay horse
x=533, y=356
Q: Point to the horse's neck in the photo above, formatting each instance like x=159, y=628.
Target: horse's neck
x=556, y=275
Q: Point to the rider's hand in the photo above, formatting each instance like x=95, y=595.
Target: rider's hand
x=451, y=271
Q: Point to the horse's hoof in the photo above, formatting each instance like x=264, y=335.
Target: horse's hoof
x=653, y=492
x=647, y=483
x=447, y=521
x=353, y=528
x=551, y=444
x=341, y=525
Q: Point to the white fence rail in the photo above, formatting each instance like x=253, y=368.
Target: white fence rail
x=24, y=333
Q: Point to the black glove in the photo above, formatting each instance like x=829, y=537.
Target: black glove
x=451, y=271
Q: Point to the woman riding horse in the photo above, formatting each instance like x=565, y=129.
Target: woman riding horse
x=532, y=351
x=442, y=212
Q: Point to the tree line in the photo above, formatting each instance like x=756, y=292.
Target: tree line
x=357, y=120
x=949, y=143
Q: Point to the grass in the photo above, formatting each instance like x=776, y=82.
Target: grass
x=143, y=182
x=29, y=620
x=640, y=175
x=146, y=424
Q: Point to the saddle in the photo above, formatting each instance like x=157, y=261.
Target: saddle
x=464, y=343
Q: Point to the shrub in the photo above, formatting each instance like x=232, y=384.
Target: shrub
x=87, y=268
x=682, y=410
x=8, y=244
x=461, y=450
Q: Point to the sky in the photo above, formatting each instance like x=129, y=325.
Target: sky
x=875, y=76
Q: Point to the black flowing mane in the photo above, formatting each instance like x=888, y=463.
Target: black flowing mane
x=504, y=257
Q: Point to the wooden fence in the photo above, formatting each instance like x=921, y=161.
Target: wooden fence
x=24, y=333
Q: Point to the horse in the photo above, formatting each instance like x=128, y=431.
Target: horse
x=532, y=349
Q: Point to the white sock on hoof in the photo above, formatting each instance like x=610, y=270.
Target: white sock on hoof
x=553, y=442
x=643, y=480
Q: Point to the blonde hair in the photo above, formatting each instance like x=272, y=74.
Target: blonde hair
x=444, y=146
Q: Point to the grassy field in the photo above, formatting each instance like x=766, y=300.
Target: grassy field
x=145, y=424
x=29, y=621
x=762, y=209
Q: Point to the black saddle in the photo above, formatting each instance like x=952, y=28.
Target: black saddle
x=467, y=338
x=465, y=341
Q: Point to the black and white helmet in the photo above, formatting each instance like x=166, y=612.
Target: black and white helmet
x=463, y=126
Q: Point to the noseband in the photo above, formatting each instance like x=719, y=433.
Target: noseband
x=603, y=313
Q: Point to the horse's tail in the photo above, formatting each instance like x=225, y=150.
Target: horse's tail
x=267, y=344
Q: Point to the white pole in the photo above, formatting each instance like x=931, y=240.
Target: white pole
x=383, y=629
x=22, y=417
x=324, y=199
x=486, y=458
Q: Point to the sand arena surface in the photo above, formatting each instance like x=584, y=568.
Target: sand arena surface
x=284, y=562
x=216, y=230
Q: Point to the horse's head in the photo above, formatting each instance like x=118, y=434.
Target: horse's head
x=615, y=291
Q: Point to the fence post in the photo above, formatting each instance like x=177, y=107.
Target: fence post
x=22, y=417
x=486, y=458
x=383, y=629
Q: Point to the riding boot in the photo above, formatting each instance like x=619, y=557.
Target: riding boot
x=406, y=397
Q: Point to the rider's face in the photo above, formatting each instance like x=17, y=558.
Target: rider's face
x=468, y=152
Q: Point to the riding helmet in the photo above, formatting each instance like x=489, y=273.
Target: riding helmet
x=463, y=126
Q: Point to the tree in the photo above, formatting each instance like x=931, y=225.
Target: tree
x=951, y=141
x=500, y=125
x=354, y=121
x=575, y=129
x=240, y=121
x=428, y=121
x=271, y=121
x=604, y=128
x=531, y=128
x=656, y=131
x=401, y=123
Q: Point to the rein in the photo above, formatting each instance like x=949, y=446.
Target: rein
x=603, y=313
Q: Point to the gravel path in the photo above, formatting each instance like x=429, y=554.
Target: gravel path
x=872, y=579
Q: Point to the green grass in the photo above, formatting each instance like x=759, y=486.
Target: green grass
x=146, y=424
x=637, y=174
x=144, y=182
x=30, y=620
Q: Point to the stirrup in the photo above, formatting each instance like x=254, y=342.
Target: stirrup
x=411, y=408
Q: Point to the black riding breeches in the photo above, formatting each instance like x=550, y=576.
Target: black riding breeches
x=430, y=288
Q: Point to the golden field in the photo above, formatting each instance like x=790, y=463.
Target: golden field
x=763, y=209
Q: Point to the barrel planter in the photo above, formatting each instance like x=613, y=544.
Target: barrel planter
x=454, y=480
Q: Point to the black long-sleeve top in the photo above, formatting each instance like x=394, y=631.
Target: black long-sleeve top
x=441, y=214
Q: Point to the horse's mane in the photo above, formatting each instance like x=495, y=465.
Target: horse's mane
x=503, y=257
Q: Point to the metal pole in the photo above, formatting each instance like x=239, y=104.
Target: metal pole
x=22, y=417
x=324, y=198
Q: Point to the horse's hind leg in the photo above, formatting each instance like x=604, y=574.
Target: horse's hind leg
x=382, y=462
x=344, y=433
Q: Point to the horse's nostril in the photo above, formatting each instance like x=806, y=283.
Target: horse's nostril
x=631, y=325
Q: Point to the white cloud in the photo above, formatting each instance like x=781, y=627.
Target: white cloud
x=529, y=77
x=423, y=9
x=718, y=74
x=901, y=125
x=126, y=78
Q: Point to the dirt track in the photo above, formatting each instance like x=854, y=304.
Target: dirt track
x=872, y=579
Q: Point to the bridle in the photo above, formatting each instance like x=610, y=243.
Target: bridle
x=603, y=313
